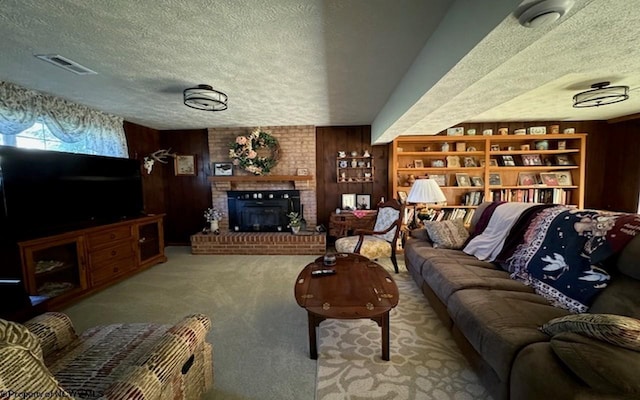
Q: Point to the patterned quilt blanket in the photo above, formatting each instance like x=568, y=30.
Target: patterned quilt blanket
x=562, y=252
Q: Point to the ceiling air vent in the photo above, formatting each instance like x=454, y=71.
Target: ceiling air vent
x=65, y=63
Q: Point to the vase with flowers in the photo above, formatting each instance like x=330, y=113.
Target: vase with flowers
x=294, y=222
x=213, y=216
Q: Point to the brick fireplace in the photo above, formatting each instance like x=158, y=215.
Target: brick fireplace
x=297, y=151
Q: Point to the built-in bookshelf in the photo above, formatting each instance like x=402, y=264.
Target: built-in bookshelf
x=543, y=168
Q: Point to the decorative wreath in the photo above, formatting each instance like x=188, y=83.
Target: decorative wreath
x=244, y=152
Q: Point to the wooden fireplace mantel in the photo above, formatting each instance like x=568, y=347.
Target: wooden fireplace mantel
x=300, y=182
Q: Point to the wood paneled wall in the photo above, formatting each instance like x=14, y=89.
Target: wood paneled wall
x=621, y=166
x=330, y=140
x=186, y=197
x=143, y=141
x=182, y=198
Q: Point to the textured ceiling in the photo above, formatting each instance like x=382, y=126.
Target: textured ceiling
x=281, y=62
x=333, y=62
x=522, y=74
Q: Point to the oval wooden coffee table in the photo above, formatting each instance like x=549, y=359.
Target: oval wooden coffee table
x=359, y=289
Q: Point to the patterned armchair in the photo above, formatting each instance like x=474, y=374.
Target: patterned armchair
x=44, y=357
x=379, y=242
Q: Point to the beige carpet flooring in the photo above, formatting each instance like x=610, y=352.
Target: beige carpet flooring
x=260, y=338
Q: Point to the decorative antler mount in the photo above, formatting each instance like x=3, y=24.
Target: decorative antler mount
x=161, y=155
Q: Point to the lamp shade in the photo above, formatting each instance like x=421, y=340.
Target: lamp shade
x=425, y=191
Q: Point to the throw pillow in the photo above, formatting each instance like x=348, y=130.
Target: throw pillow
x=450, y=234
x=615, y=329
x=604, y=367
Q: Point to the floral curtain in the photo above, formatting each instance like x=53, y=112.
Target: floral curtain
x=20, y=108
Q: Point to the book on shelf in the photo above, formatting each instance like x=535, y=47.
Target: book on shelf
x=445, y=214
x=538, y=195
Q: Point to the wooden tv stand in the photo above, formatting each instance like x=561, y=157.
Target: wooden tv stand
x=61, y=269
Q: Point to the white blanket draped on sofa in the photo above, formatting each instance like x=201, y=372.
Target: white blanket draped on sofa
x=487, y=246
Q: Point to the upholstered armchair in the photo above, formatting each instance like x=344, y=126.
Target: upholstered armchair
x=381, y=240
x=45, y=357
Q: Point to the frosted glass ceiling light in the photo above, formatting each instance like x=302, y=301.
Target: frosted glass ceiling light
x=204, y=97
x=601, y=94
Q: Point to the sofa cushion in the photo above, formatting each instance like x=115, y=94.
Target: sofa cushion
x=447, y=271
x=372, y=247
x=622, y=297
x=629, y=260
x=615, y=329
x=499, y=323
x=450, y=234
x=602, y=366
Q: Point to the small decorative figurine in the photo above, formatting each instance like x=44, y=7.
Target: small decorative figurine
x=366, y=154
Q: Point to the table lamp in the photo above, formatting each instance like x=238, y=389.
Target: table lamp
x=425, y=191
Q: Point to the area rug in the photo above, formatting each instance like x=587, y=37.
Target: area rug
x=425, y=362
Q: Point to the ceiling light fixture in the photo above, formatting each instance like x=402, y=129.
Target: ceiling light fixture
x=542, y=12
x=204, y=97
x=601, y=94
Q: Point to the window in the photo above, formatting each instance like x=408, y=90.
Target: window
x=38, y=136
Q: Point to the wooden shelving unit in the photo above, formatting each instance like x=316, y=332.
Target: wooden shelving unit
x=421, y=156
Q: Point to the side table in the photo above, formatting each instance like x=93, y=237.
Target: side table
x=345, y=223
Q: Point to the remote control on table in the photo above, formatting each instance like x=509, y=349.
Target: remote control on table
x=321, y=272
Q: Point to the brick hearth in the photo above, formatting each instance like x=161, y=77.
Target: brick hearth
x=258, y=243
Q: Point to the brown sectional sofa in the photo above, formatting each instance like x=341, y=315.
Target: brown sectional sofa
x=495, y=321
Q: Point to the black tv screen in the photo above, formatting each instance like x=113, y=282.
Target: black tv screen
x=46, y=191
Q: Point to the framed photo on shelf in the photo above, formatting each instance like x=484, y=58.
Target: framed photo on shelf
x=549, y=178
x=462, y=179
x=461, y=146
x=493, y=162
x=302, y=171
x=495, y=147
x=508, y=161
x=185, y=165
x=564, y=178
x=440, y=179
x=470, y=162
x=531, y=159
x=527, y=179
x=477, y=181
x=418, y=164
x=222, y=169
x=363, y=202
x=402, y=197
x=563, y=159
x=348, y=201
x=495, y=179
x=453, y=162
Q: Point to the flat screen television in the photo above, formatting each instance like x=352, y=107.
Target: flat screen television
x=44, y=192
